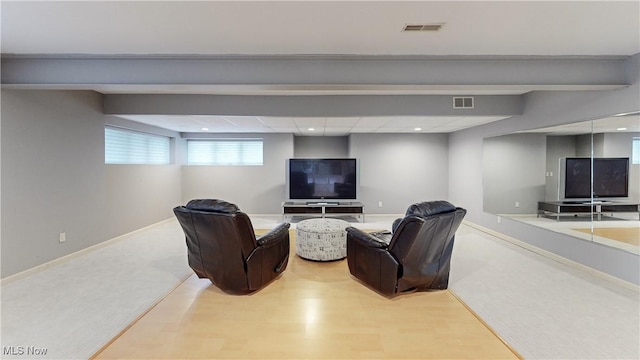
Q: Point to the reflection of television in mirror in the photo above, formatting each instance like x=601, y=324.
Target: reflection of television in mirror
x=320, y=179
x=610, y=178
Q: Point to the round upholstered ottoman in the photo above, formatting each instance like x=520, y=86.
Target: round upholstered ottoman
x=321, y=239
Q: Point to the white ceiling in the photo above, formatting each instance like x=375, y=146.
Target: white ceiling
x=624, y=123
x=312, y=126
x=517, y=29
x=471, y=28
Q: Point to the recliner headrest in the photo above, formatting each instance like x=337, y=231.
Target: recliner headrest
x=212, y=205
x=428, y=208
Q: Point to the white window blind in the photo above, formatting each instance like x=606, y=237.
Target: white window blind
x=224, y=152
x=635, y=157
x=130, y=147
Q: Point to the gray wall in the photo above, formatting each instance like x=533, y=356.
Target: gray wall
x=138, y=196
x=544, y=109
x=400, y=169
x=255, y=189
x=397, y=169
x=54, y=180
x=598, y=145
x=514, y=173
x=621, y=145
x=321, y=146
x=558, y=147
x=586, y=144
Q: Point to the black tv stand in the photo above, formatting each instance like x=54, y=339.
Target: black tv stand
x=322, y=209
x=558, y=208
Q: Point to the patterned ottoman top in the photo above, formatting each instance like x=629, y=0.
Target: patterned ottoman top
x=322, y=225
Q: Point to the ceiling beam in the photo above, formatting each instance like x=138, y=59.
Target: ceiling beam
x=309, y=106
x=405, y=75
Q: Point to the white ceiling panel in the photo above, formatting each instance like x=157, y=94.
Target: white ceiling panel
x=412, y=122
x=300, y=126
x=373, y=122
x=627, y=123
x=342, y=121
x=336, y=130
x=307, y=132
x=284, y=129
x=244, y=121
x=310, y=122
x=278, y=122
x=360, y=130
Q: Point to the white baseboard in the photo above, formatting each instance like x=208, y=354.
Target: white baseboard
x=599, y=274
x=385, y=215
x=21, y=275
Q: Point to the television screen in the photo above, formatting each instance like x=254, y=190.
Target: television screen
x=610, y=178
x=322, y=179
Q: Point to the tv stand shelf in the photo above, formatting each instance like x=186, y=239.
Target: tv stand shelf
x=323, y=209
x=558, y=208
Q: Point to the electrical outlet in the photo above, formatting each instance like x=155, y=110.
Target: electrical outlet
x=517, y=204
x=62, y=237
x=380, y=203
x=499, y=219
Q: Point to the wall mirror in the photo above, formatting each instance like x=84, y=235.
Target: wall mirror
x=580, y=179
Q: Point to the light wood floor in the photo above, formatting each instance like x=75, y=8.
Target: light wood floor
x=624, y=234
x=312, y=311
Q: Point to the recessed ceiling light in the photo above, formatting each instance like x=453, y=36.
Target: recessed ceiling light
x=205, y=129
x=417, y=129
x=621, y=129
x=312, y=129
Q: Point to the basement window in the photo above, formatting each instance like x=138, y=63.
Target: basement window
x=123, y=146
x=225, y=152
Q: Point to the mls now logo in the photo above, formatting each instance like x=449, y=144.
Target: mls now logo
x=23, y=350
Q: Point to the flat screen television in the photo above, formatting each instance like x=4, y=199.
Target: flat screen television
x=322, y=179
x=610, y=178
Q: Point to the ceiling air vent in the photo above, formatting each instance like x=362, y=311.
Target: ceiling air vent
x=423, y=27
x=461, y=102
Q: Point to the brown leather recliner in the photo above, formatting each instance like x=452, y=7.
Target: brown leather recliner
x=415, y=256
x=222, y=246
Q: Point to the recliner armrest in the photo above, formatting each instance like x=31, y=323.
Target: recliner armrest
x=274, y=235
x=365, y=239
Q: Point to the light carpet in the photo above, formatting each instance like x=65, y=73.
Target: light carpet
x=73, y=309
x=544, y=309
